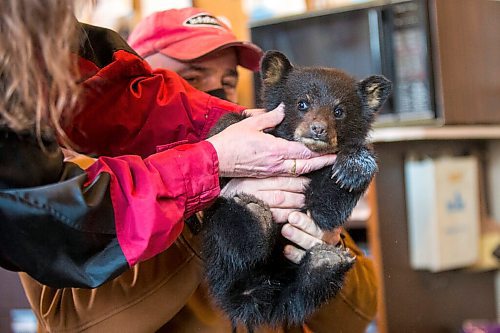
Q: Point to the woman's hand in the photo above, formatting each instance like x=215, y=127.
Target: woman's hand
x=302, y=231
x=244, y=150
x=282, y=194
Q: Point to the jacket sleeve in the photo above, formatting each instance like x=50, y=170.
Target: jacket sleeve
x=127, y=108
x=85, y=228
x=88, y=227
x=355, y=306
x=152, y=197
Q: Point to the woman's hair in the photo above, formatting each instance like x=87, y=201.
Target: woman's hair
x=37, y=71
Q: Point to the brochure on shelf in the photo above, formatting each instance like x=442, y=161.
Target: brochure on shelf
x=442, y=196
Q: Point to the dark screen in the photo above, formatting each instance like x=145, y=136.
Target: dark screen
x=390, y=40
x=341, y=40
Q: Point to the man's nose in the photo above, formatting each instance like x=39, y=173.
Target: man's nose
x=212, y=82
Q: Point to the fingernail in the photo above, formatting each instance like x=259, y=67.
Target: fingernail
x=286, y=231
x=293, y=218
x=281, y=108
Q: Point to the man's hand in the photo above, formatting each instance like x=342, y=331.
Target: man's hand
x=282, y=194
x=302, y=231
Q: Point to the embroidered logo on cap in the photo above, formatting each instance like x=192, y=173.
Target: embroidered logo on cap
x=203, y=20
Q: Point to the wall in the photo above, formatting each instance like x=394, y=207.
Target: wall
x=11, y=297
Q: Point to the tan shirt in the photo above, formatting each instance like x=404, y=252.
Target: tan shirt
x=167, y=294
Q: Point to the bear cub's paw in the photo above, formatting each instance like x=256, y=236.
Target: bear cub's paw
x=323, y=269
x=239, y=232
x=261, y=234
x=325, y=256
x=259, y=210
x=354, y=171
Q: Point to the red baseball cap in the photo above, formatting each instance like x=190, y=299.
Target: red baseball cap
x=188, y=34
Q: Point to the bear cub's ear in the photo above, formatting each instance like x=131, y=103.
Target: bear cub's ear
x=274, y=67
x=374, y=90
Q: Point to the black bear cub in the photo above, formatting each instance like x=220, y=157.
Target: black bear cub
x=248, y=276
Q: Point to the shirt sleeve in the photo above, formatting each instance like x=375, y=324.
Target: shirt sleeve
x=87, y=227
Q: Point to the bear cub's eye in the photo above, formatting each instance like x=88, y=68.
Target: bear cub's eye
x=303, y=105
x=338, y=112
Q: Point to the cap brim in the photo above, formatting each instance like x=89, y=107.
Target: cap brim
x=248, y=54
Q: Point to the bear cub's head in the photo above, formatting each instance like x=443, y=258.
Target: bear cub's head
x=325, y=108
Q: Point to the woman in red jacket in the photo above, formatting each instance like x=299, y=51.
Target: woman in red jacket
x=72, y=228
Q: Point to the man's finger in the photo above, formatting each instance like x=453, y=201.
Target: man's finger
x=293, y=254
x=299, y=237
x=280, y=215
x=305, y=223
x=281, y=199
x=289, y=184
x=332, y=237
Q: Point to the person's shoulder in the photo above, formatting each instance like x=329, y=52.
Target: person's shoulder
x=99, y=44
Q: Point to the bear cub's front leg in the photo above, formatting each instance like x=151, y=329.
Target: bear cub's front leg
x=334, y=192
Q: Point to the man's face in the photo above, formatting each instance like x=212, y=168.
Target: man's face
x=216, y=70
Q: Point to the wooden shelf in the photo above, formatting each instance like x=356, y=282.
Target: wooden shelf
x=449, y=132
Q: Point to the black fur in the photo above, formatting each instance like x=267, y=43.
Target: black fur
x=248, y=275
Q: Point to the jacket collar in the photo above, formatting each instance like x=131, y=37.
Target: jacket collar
x=23, y=162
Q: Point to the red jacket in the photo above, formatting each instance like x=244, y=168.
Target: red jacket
x=130, y=207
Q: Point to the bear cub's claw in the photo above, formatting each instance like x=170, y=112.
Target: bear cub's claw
x=325, y=256
x=354, y=172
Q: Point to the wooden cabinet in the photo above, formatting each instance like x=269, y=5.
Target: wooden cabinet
x=420, y=301
x=466, y=52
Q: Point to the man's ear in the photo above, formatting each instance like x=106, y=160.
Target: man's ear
x=274, y=67
x=374, y=90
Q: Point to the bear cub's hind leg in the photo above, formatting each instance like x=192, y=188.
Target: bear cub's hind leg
x=239, y=230
x=319, y=277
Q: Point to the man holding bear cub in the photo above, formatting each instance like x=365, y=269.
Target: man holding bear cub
x=150, y=292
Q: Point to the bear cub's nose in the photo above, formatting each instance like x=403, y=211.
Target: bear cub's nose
x=318, y=130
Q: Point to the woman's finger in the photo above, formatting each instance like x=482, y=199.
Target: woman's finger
x=269, y=119
x=253, y=112
x=296, y=167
